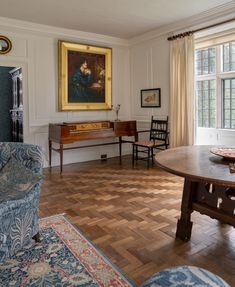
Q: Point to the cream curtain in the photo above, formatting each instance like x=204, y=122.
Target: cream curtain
x=182, y=91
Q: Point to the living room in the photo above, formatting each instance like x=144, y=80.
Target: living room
x=129, y=212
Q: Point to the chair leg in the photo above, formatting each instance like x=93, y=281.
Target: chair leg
x=152, y=156
x=148, y=157
x=136, y=152
x=133, y=154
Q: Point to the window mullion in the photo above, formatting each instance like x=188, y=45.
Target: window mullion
x=230, y=92
x=230, y=56
x=209, y=103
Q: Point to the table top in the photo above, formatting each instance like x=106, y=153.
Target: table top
x=196, y=163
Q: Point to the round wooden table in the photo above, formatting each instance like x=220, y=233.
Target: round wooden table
x=209, y=187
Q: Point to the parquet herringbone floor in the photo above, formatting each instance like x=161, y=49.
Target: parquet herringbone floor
x=131, y=215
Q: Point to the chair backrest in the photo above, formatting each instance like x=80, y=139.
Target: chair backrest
x=159, y=129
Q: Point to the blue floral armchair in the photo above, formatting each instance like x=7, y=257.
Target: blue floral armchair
x=19, y=214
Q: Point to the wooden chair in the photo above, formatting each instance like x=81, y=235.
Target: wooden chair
x=159, y=139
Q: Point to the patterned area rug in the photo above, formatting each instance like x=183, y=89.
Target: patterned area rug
x=63, y=258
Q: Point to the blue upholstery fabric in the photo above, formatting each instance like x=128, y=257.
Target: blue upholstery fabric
x=19, y=218
x=5, y=154
x=16, y=180
x=184, y=276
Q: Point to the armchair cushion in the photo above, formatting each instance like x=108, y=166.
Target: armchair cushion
x=16, y=180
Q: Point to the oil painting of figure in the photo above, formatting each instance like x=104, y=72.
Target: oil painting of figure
x=86, y=77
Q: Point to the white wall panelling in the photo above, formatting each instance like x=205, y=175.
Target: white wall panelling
x=149, y=69
x=36, y=51
x=140, y=63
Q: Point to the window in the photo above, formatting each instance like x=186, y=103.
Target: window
x=215, y=86
x=205, y=61
x=229, y=57
x=229, y=104
x=206, y=103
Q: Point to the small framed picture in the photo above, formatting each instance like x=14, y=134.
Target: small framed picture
x=151, y=98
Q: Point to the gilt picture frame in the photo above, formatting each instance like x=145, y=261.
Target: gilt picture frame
x=150, y=98
x=85, y=77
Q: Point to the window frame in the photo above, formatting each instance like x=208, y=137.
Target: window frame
x=218, y=76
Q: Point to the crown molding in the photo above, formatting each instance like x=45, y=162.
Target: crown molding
x=220, y=13
x=52, y=31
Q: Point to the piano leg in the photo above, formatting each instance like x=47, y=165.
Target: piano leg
x=61, y=158
x=120, y=149
x=50, y=147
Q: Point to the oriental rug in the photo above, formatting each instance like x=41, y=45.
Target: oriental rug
x=63, y=258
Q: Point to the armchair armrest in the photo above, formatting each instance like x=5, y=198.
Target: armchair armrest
x=30, y=155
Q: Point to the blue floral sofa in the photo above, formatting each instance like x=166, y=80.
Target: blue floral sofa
x=20, y=182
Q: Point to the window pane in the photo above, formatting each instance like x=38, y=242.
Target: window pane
x=212, y=94
x=212, y=123
x=227, y=124
x=205, y=61
x=199, y=104
x=233, y=83
x=204, y=85
x=233, y=114
x=233, y=66
x=212, y=52
x=227, y=114
x=205, y=53
x=212, y=85
x=227, y=103
x=206, y=103
x=198, y=86
x=212, y=105
x=198, y=55
x=212, y=114
x=228, y=94
x=226, y=67
x=233, y=93
x=229, y=57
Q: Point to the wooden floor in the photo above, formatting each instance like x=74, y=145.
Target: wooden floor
x=131, y=215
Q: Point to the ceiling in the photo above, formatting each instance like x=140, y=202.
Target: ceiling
x=118, y=18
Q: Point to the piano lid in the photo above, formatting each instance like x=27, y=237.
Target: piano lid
x=87, y=126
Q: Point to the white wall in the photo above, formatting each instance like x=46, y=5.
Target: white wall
x=35, y=50
x=149, y=69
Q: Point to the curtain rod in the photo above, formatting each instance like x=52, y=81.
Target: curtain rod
x=181, y=35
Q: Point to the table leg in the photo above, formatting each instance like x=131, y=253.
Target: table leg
x=61, y=158
x=184, y=225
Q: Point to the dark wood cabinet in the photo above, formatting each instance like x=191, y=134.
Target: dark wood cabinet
x=17, y=109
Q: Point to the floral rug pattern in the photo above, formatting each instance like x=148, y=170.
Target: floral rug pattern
x=63, y=258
